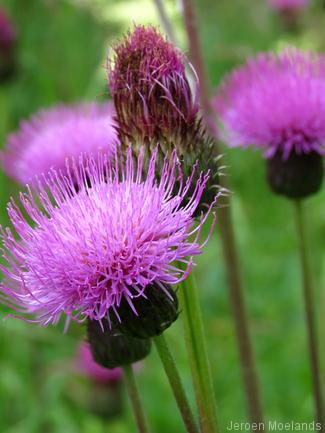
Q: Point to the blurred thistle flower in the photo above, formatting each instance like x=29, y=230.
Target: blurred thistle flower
x=86, y=365
x=288, y=4
x=50, y=136
x=8, y=39
x=277, y=103
x=81, y=254
x=155, y=104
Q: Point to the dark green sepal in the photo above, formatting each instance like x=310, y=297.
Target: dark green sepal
x=111, y=349
x=156, y=310
x=297, y=177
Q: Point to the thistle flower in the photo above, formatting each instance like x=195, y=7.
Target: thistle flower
x=50, y=136
x=288, y=4
x=86, y=364
x=277, y=103
x=7, y=46
x=155, y=105
x=81, y=254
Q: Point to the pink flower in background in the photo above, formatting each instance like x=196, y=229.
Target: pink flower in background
x=275, y=102
x=50, y=136
x=86, y=365
x=288, y=4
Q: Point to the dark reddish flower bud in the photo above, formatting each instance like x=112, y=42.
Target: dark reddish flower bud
x=155, y=105
x=7, y=46
x=152, y=95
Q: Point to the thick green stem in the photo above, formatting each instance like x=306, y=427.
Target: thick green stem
x=196, y=346
x=135, y=399
x=176, y=384
x=310, y=315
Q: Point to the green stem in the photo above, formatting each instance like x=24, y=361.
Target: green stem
x=176, y=384
x=196, y=346
x=229, y=247
x=240, y=316
x=310, y=315
x=135, y=399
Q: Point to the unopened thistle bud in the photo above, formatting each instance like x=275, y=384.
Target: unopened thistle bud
x=151, y=93
x=110, y=349
x=155, y=105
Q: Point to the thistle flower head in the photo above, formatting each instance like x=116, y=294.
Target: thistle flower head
x=151, y=93
x=80, y=254
x=86, y=364
x=288, y=4
x=50, y=136
x=276, y=103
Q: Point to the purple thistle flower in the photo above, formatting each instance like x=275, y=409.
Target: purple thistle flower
x=50, y=136
x=151, y=93
x=8, y=39
x=276, y=103
x=86, y=364
x=80, y=254
x=288, y=4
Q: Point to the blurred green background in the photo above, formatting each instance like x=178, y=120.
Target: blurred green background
x=61, y=57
